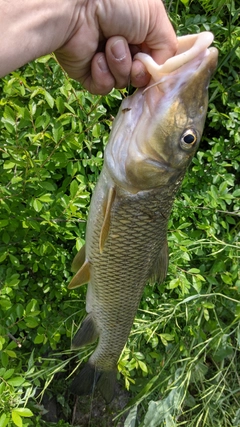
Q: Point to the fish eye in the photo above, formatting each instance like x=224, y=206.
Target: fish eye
x=188, y=139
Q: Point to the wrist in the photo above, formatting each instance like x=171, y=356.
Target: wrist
x=32, y=28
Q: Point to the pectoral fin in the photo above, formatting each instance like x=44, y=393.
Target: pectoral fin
x=160, y=268
x=79, y=260
x=107, y=218
x=81, y=277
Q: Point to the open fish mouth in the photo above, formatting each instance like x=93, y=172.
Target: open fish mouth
x=193, y=54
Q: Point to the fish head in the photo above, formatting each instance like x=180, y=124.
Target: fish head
x=159, y=127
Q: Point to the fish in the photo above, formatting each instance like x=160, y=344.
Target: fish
x=153, y=139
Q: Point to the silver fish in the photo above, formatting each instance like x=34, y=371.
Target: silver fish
x=154, y=137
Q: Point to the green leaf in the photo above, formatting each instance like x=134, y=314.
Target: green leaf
x=46, y=198
x=236, y=193
x=32, y=322
x=37, y=205
x=13, y=280
x=16, y=418
x=60, y=104
x=194, y=271
x=131, y=418
x=6, y=237
x=31, y=307
x=227, y=278
x=24, y=412
x=43, y=59
x=8, y=373
x=31, y=360
x=3, y=223
x=206, y=314
x=237, y=314
x=39, y=339
x=9, y=114
x=143, y=366
x=5, y=304
x=2, y=342
x=57, y=132
x=48, y=186
x=14, y=260
x=166, y=337
x=96, y=130
x=40, y=122
x=236, y=420
x=8, y=164
x=74, y=188
x=3, y=257
x=17, y=381
x=49, y=99
x=208, y=305
x=4, y=420
x=11, y=353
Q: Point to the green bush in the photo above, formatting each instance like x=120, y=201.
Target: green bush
x=52, y=138
x=181, y=361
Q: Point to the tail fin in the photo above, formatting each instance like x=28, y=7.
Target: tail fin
x=91, y=377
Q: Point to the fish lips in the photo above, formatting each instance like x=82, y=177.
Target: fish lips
x=192, y=78
x=202, y=75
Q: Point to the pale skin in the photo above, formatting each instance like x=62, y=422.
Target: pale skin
x=94, y=40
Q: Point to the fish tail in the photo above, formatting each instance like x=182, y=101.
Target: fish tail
x=90, y=377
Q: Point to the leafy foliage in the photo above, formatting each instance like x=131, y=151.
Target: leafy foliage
x=181, y=362
x=52, y=137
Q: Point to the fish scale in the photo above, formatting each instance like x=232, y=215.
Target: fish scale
x=129, y=274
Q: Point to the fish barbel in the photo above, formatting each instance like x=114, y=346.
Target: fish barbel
x=154, y=137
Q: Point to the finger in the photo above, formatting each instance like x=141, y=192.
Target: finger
x=101, y=80
x=139, y=75
x=161, y=37
x=119, y=60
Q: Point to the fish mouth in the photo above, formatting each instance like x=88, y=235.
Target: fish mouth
x=193, y=56
x=207, y=63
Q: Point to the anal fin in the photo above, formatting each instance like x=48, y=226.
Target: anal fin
x=86, y=334
x=107, y=218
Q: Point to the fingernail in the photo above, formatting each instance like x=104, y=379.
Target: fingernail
x=141, y=75
x=118, y=50
x=102, y=64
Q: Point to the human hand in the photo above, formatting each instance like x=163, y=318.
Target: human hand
x=107, y=34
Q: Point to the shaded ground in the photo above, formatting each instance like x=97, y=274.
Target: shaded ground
x=87, y=411
x=93, y=412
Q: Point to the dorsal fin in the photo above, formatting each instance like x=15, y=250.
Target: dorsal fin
x=79, y=260
x=107, y=218
x=81, y=277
